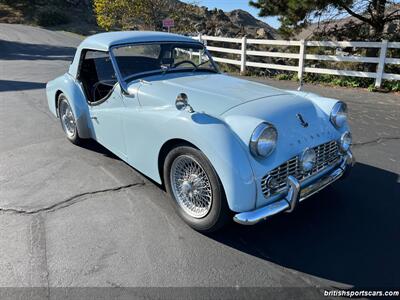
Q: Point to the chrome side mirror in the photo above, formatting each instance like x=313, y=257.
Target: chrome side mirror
x=181, y=103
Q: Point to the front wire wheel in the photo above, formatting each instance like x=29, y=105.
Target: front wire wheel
x=191, y=186
x=196, y=189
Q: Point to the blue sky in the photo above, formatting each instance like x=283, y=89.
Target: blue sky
x=228, y=5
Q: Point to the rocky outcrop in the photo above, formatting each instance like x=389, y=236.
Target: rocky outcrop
x=253, y=26
x=229, y=24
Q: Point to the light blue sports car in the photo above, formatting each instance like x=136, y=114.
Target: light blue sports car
x=223, y=147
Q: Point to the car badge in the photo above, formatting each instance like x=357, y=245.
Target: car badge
x=302, y=122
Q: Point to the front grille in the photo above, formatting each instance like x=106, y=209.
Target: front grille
x=326, y=155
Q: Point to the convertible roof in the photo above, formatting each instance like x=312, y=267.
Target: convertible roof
x=103, y=41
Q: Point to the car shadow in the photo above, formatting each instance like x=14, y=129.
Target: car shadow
x=13, y=85
x=348, y=233
x=94, y=146
x=11, y=50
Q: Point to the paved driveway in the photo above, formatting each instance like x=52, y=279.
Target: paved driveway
x=78, y=216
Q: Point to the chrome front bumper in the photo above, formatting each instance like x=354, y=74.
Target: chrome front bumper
x=296, y=193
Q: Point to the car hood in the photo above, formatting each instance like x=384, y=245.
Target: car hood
x=211, y=93
x=243, y=105
x=286, y=113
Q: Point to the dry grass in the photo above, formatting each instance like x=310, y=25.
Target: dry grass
x=10, y=15
x=81, y=21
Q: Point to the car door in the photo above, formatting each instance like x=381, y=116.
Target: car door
x=107, y=122
x=105, y=102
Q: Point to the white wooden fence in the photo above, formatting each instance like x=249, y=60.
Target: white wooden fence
x=302, y=56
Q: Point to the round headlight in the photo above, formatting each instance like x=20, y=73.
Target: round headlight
x=263, y=140
x=345, y=141
x=339, y=114
x=307, y=159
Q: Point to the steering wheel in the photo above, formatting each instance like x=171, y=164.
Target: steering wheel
x=185, y=61
x=107, y=82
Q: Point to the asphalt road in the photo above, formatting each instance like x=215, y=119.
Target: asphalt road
x=79, y=217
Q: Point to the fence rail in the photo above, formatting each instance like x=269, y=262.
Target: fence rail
x=302, y=56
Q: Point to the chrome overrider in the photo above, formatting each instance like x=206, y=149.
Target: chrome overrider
x=298, y=191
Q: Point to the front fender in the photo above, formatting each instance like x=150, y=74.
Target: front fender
x=74, y=93
x=155, y=127
x=228, y=156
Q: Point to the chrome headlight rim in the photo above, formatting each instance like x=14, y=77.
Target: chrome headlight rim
x=338, y=115
x=256, y=136
x=345, y=141
x=311, y=163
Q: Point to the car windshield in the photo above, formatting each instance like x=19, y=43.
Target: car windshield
x=140, y=60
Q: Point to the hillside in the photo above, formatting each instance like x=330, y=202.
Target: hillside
x=253, y=26
x=231, y=24
x=193, y=20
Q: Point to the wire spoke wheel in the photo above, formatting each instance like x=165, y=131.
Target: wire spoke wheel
x=67, y=119
x=191, y=186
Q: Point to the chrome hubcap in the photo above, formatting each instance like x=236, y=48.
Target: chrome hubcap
x=191, y=186
x=67, y=119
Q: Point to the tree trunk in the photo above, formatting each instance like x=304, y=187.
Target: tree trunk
x=377, y=12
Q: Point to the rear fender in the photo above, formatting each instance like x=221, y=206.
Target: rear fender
x=73, y=91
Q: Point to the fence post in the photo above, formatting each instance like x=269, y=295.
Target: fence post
x=302, y=56
x=201, y=41
x=381, y=65
x=243, y=56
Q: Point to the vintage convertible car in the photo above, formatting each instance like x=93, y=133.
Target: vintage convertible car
x=223, y=147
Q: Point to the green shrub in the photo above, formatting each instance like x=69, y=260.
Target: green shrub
x=226, y=68
x=371, y=88
x=387, y=86
x=339, y=80
x=285, y=76
x=393, y=86
x=51, y=16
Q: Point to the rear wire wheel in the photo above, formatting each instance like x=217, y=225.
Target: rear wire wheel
x=67, y=119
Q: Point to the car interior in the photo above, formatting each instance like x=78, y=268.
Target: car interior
x=97, y=76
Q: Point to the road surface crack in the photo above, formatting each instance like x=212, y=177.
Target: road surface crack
x=376, y=141
x=67, y=202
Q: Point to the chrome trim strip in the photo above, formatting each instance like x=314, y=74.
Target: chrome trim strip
x=122, y=83
x=294, y=196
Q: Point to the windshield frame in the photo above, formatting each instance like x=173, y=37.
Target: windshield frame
x=124, y=82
